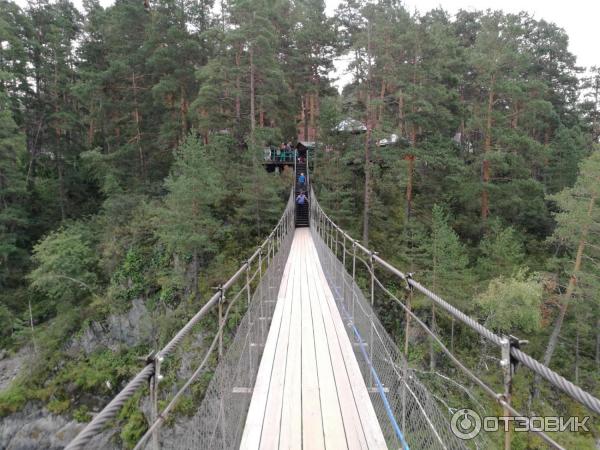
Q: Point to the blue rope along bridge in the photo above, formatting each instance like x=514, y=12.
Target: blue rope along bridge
x=310, y=363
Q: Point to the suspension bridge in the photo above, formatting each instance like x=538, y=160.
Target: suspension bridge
x=311, y=365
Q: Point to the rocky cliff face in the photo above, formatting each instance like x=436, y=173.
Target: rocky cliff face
x=11, y=366
x=133, y=328
x=34, y=427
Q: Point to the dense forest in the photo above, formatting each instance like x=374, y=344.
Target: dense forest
x=131, y=143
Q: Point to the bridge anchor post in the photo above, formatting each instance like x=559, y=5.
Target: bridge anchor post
x=156, y=360
x=343, y=272
x=353, y=276
x=221, y=301
x=509, y=365
x=409, y=288
x=372, y=324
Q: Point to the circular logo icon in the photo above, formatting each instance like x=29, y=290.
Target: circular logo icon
x=465, y=424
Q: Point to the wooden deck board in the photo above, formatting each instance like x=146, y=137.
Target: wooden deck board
x=309, y=392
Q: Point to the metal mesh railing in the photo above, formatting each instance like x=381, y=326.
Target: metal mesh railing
x=423, y=401
x=407, y=413
x=219, y=422
x=241, y=308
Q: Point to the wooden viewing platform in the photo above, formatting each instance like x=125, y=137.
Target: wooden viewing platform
x=309, y=392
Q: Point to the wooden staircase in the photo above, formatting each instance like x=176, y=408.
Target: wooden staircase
x=301, y=210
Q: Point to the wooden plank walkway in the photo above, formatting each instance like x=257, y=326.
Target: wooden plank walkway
x=309, y=392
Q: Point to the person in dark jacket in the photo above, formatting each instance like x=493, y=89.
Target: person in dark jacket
x=301, y=199
x=302, y=179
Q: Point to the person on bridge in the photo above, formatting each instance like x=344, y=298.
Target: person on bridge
x=302, y=179
x=301, y=199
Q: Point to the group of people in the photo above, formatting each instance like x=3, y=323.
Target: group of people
x=285, y=152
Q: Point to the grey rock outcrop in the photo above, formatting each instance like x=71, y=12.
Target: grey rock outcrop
x=35, y=427
x=132, y=328
x=10, y=366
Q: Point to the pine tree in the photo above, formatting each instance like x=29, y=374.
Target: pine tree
x=187, y=222
x=501, y=252
x=56, y=122
x=579, y=213
x=14, y=217
x=449, y=274
x=311, y=62
x=495, y=58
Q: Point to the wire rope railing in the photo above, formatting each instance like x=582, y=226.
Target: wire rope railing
x=256, y=282
x=414, y=406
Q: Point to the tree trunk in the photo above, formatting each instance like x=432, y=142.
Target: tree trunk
x=261, y=114
x=598, y=344
x=252, y=106
x=564, y=303
x=514, y=123
x=485, y=203
x=313, y=115
x=32, y=329
x=183, y=110
x=595, y=131
x=381, y=97
x=431, y=343
x=238, y=114
x=452, y=336
x=91, y=132
x=434, y=286
x=61, y=185
x=409, y=184
x=305, y=115
x=577, y=356
x=367, y=194
x=60, y=171
x=138, y=135
x=401, y=123
x=194, y=275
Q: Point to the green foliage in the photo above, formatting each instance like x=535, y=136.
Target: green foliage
x=187, y=223
x=512, y=304
x=13, y=398
x=66, y=265
x=82, y=414
x=57, y=406
x=578, y=205
x=135, y=424
x=130, y=280
x=449, y=271
x=97, y=373
x=501, y=252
